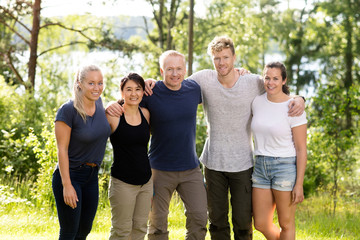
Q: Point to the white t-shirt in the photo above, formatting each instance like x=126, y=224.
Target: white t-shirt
x=271, y=127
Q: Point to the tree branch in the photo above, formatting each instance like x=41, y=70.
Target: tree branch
x=14, y=31
x=147, y=31
x=14, y=18
x=8, y=60
x=81, y=32
x=48, y=24
x=61, y=46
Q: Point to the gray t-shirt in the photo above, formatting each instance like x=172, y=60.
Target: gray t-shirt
x=87, y=140
x=228, y=147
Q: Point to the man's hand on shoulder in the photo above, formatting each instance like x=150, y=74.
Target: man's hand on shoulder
x=296, y=107
x=242, y=71
x=149, y=85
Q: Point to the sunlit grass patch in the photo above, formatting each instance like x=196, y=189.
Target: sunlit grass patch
x=22, y=220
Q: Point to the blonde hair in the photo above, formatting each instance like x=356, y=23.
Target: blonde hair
x=81, y=75
x=219, y=43
x=168, y=53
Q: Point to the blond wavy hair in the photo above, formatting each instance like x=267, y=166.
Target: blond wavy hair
x=78, y=94
x=219, y=43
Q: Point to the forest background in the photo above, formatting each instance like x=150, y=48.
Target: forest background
x=319, y=41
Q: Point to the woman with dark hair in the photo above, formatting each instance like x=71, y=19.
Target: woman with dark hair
x=81, y=131
x=280, y=156
x=131, y=186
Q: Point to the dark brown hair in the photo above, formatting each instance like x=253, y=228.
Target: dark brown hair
x=133, y=77
x=282, y=68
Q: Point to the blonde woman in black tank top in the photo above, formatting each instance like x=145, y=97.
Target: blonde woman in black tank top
x=130, y=188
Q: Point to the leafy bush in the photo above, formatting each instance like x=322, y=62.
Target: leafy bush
x=18, y=117
x=46, y=153
x=9, y=196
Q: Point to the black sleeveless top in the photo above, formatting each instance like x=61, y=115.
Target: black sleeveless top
x=131, y=163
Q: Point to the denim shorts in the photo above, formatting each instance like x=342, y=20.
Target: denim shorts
x=277, y=173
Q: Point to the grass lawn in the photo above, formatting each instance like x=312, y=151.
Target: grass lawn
x=21, y=220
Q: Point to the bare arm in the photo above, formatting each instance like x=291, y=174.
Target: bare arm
x=296, y=107
x=114, y=109
x=299, y=136
x=113, y=121
x=146, y=113
x=62, y=133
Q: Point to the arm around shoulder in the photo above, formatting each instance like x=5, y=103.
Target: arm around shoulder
x=113, y=121
x=114, y=109
x=297, y=106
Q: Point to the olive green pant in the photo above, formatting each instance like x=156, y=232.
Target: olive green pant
x=218, y=185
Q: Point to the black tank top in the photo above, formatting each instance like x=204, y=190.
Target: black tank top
x=131, y=163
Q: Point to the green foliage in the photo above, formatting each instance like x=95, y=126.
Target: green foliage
x=332, y=145
x=299, y=43
x=8, y=46
x=9, y=196
x=19, y=116
x=46, y=152
x=201, y=130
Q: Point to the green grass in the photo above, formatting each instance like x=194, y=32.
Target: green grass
x=20, y=219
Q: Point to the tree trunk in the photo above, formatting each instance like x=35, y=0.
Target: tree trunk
x=349, y=58
x=34, y=44
x=191, y=37
x=171, y=23
x=335, y=178
x=161, y=23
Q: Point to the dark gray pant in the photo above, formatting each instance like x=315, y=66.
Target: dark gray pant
x=218, y=185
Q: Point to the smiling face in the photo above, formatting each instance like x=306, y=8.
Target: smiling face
x=273, y=81
x=132, y=93
x=92, y=86
x=173, y=71
x=223, y=61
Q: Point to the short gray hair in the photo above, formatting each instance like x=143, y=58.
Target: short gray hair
x=168, y=53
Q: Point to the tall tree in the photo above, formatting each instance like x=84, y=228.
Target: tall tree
x=14, y=18
x=165, y=15
x=332, y=146
x=341, y=22
x=335, y=115
x=34, y=39
x=191, y=36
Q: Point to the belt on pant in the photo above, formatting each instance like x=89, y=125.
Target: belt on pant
x=90, y=164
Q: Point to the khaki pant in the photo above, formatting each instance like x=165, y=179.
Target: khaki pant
x=191, y=189
x=130, y=206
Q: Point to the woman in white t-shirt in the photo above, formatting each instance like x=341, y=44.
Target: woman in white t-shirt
x=280, y=156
